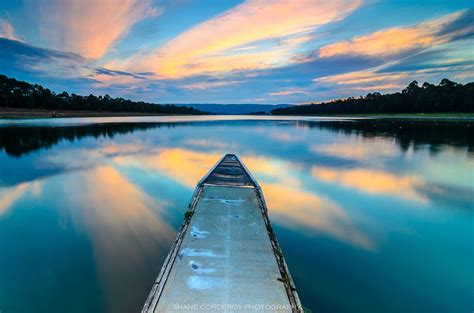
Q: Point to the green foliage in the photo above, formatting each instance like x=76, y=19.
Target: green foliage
x=188, y=214
x=19, y=94
x=448, y=96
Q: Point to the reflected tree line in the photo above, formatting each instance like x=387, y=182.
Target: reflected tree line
x=20, y=94
x=436, y=135
x=17, y=141
x=447, y=96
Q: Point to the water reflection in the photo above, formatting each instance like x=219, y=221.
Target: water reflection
x=344, y=196
x=437, y=135
x=125, y=232
x=373, y=181
x=181, y=165
x=8, y=196
x=300, y=209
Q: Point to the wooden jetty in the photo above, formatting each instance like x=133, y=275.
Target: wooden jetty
x=226, y=257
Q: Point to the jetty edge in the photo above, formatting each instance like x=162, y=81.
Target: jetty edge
x=226, y=256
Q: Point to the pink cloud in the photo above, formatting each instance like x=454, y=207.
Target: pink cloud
x=7, y=30
x=274, y=30
x=90, y=29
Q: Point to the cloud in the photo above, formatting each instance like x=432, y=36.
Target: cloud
x=210, y=84
x=401, y=39
x=211, y=46
x=287, y=92
x=7, y=31
x=65, y=70
x=90, y=29
x=429, y=51
x=362, y=80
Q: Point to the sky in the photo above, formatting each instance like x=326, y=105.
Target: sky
x=231, y=51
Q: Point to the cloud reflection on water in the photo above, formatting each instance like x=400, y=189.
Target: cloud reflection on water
x=122, y=194
x=291, y=206
x=124, y=228
x=9, y=195
x=373, y=182
x=297, y=208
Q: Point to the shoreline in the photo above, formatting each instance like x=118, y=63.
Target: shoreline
x=18, y=113
x=14, y=113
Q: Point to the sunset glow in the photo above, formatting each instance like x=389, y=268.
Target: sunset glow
x=252, y=51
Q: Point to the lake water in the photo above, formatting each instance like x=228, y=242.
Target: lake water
x=371, y=215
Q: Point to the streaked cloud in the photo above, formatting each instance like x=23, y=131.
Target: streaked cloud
x=210, y=84
x=90, y=29
x=207, y=47
x=6, y=30
x=399, y=39
x=362, y=77
x=287, y=92
x=256, y=51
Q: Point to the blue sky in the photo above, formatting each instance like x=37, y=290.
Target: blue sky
x=235, y=51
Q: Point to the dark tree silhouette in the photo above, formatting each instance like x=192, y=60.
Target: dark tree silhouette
x=448, y=96
x=19, y=94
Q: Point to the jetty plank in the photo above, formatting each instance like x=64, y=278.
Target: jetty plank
x=226, y=257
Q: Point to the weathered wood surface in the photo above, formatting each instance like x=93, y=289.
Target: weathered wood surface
x=226, y=257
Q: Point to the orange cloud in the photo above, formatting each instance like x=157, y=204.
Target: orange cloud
x=90, y=29
x=297, y=208
x=213, y=46
x=392, y=41
x=373, y=181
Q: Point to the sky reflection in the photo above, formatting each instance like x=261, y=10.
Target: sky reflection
x=106, y=201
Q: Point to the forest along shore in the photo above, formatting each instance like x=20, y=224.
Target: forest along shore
x=14, y=113
x=21, y=113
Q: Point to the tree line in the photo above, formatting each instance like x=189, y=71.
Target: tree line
x=447, y=96
x=20, y=94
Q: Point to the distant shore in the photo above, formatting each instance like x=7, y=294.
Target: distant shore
x=401, y=116
x=20, y=113
x=11, y=113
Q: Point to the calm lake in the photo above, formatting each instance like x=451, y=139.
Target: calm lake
x=372, y=215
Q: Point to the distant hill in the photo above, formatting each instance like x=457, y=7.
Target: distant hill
x=244, y=108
